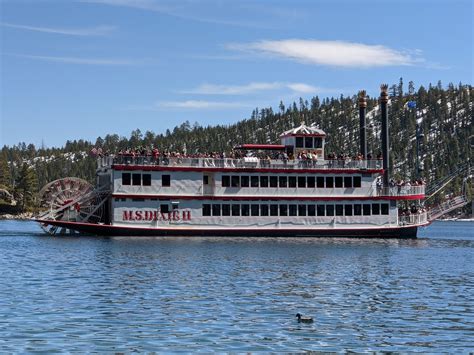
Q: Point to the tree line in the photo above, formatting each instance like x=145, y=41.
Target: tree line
x=444, y=116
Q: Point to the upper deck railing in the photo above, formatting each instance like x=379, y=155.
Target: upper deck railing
x=244, y=163
x=402, y=190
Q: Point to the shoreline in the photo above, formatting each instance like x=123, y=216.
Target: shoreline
x=25, y=216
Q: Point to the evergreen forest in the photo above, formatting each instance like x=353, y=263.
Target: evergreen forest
x=444, y=115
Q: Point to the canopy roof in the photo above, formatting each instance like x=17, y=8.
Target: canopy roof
x=303, y=130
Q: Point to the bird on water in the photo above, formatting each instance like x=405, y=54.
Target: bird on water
x=304, y=319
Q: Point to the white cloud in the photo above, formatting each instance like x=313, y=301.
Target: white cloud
x=200, y=105
x=216, y=89
x=331, y=53
x=75, y=60
x=91, y=31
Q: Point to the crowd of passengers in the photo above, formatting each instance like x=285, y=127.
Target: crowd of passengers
x=305, y=157
x=413, y=210
x=399, y=186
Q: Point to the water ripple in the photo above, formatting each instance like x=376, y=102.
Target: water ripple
x=222, y=294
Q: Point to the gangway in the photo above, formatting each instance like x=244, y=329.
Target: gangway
x=438, y=185
x=454, y=202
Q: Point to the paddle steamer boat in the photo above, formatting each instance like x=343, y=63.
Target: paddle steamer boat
x=250, y=196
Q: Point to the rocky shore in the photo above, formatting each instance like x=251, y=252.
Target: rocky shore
x=20, y=216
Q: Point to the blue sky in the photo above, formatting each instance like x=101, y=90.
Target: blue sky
x=75, y=69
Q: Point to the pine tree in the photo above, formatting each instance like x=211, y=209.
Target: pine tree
x=5, y=176
x=26, y=187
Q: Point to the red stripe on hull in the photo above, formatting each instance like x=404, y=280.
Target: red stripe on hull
x=270, y=198
x=251, y=170
x=108, y=230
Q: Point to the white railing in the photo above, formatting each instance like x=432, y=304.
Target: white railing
x=413, y=219
x=402, y=190
x=239, y=163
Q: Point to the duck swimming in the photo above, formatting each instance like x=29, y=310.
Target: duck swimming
x=303, y=319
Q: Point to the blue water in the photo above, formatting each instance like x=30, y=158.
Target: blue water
x=73, y=294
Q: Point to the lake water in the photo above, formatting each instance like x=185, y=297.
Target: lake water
x=91, y=294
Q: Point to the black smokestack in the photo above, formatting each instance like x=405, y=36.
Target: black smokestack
x=385, y=139
x=362, y=123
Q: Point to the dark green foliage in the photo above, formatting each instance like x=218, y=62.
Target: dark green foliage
x=26, y=186
x=447, y=123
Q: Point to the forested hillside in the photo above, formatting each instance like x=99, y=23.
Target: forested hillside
x=444, y=114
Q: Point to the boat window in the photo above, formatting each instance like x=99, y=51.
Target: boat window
x=366, y=209
x=226, y=210
x=146, y=179
x=136, y=179
x=254, y=210
x=263, y=181
x=329, y=210
x=126, y=178
x=308, y=142
x=225, y=181
x=339, y=210
x=164, y=208
x=273, y=181
x=235, y=210
x=347, y=181
x=299, y=142
x=165, y=180
x=254, y=181
x=384, y=208
x=263, y=210
x=245, y=210
x=376, y=208
x=292, y=210
x=310, y=180
x=301, y=181
x=357, y=181
x=206, y=209
x=174, y=205
x=273, y=210
x=329, y=182
x=283, y=210
x=318, y=142
x=301, y=210
x=320, y=210
x=357, y=210
x=292, y=181
x=311, y=210
x=216, y=209
x=205, y=179
x=320, y=181
x=235, y=181
x=338, y=181
x=348, y=210
x=283, y=181
x=244, y=181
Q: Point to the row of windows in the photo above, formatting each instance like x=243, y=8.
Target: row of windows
x=137, y=179
x=366, y=209
x=309, y=142
x=291, y=181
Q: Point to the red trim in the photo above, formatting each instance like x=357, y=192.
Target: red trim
x=261, y=146
x=122, y=167
x=269, y=198
x=110, y=230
